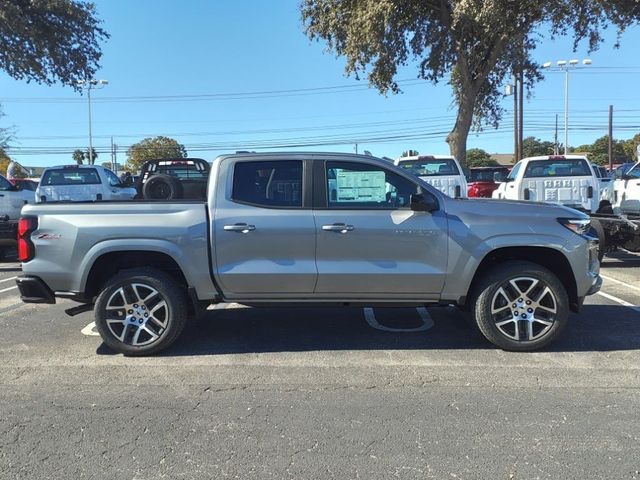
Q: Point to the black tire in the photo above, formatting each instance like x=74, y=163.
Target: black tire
x=598, y=231
x=118, y=328
x=605, y=207
x=487, y=291
x=162, y=187
x=633, y=245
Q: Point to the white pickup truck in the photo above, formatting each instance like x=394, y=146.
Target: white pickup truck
x=81, y=183
x=572, y=181
x=12, y=199
x=441, y=171
x=626, y=191
x=568, y=180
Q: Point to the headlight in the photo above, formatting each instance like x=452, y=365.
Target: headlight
x=580, y=226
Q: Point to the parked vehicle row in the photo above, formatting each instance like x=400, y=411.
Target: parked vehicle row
x=292, y=228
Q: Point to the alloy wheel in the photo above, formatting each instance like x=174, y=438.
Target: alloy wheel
x=524, y=308
x=137, y=314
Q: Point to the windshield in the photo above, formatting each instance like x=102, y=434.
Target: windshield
x=558, y=168
x=70, y=176
x=634, y=172
x=431, y=167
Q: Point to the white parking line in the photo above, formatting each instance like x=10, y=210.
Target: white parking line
x=614, y=280
x=8, y=279
x=8, y=289
x=90, y=331
x=427, y=321
x=620, y=301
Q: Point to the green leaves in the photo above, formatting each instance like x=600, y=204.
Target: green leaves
x=49, y=40
x=153, y=148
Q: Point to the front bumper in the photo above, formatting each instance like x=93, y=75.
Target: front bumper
x=34, y=290
x=597, y=285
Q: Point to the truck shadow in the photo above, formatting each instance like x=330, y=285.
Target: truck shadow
x=259, y=330
x=620, y=259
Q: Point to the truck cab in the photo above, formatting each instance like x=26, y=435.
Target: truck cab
x=626, y=196
x=568, y=180
x=443, y=172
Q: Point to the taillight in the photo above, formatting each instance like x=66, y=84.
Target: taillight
x=26, y=249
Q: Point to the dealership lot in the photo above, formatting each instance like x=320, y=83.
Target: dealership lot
x=323, y=393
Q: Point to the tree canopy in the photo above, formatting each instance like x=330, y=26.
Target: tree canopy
x=477, y=157
x=534, y=147
x=4, y=162
x=80, y=156
x=153, y=148
x=50, y=40
x=598, y=151
x=472, y=44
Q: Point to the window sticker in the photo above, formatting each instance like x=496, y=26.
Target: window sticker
x=360, y=186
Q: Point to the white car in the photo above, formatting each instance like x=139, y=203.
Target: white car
x=627, y=191
x=568, y=180
x=12, y=199
x=81, y=183
x=442, y=171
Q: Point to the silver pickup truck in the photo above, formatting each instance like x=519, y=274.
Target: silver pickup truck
x=309, y=228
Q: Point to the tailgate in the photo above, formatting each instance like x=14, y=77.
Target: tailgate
x=573, y=191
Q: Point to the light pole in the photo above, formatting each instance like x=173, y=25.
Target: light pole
x=89, y=85
x=565, y=66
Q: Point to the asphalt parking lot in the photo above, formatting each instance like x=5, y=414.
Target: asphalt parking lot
x=323, y=393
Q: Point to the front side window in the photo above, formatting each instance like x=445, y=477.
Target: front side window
x=70, y=176
x=430, y=167
x=514, y=171
x=357, y=185
x=4, y=184
x=112, y=179
x=634, y=172
x=558, y=168
x=275, y=184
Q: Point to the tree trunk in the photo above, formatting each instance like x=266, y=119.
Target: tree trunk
x=457, y=139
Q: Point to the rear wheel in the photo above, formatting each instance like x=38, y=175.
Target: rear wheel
x=633, y=245
x=162, y=187
x=520, y=306
x=140, y=312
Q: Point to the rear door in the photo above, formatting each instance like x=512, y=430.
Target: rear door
x=369, y=243
x=263, y=229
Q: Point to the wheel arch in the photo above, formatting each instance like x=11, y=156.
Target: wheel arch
x=549, y=258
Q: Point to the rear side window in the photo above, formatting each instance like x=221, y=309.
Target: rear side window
x=558, y=168
x=430, y=167
x=275, y=184
x=70, y=176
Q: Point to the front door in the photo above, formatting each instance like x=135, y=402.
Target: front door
x=263, y=229
x=371, y=245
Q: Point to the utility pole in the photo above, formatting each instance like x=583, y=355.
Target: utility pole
x=516, y=129
x=114, y=160
x=556, y=147
x=520, y=113
x=89, y=85
x=356, y=147
x=610, y=138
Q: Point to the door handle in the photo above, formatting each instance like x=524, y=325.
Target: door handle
x=239, y=227
x=338, y=227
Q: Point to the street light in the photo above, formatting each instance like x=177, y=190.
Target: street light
x=89, y=85
x=565, y=66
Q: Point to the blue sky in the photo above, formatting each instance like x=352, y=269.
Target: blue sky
x=162, y=48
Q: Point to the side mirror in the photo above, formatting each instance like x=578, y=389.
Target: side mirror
x=618, y=175
x=423, y=203
x=498, y=177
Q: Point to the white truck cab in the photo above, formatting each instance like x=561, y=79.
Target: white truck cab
x=627, y=191
x=569, y=180
x=81, y=183
x=12, y=199
x=441, y=171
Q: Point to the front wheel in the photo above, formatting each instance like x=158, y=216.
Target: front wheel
x=140, y=312
x=520, y=306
